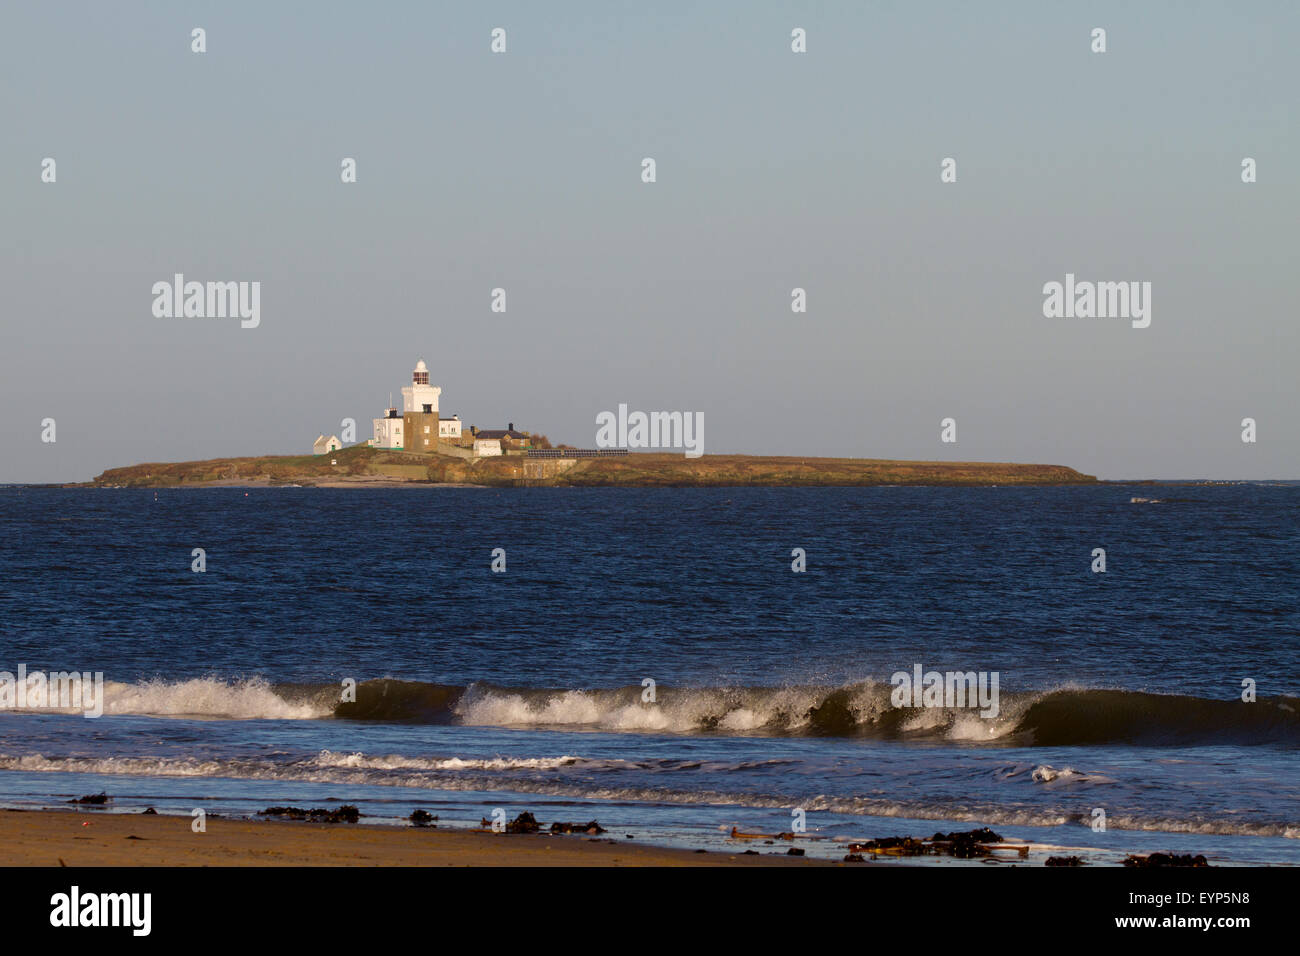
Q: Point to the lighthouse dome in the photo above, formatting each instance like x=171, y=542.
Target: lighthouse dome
x=421, y=374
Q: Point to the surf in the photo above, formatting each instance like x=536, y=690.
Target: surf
x=1069, y=716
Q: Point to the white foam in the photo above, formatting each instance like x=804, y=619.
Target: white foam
x=1047, y=774
x=362, y=761
x=252, y=699
x=357, y=769
x=678, y=710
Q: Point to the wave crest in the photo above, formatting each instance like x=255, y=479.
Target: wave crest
x=1063, y=717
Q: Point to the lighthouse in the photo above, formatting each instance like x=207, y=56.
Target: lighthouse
x=420, y=396
x=417, y=426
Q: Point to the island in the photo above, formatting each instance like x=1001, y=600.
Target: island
x=364, y=465
x=417, y=446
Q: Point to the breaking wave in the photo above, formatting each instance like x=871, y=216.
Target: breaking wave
x=1063, y=717
x=254, y=699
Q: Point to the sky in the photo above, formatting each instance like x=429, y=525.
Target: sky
x=775, y=170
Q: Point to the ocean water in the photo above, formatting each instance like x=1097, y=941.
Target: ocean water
x=1118, y=692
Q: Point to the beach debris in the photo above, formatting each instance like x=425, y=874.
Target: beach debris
x=422, y=818
x=93, y=799
x=1063, y=861
x=1166, y=860
x=970, y=844
x=738, y=834
x=293, y=813
x=344, y=814
x=891, y=846
x=592, y=828
x=855, y=858
x=149, y=811
x=982, y=835
x=524, y=823
x=795, y=851
x=134, y=837
x=963, y=845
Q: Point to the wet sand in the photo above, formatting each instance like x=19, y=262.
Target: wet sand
x=83, y=838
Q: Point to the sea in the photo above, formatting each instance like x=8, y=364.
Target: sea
x=674, y=663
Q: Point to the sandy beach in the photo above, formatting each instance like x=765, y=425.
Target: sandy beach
x=79, y=838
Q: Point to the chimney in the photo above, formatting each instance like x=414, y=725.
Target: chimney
x=511, y=426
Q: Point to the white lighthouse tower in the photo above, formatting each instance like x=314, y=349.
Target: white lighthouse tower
x=420, y=396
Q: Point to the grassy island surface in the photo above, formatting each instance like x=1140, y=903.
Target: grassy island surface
x=363, y=466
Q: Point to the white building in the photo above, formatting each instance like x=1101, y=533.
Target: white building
x=487, y=447
x=388, y=430
x=419, y=396
x=324, y=446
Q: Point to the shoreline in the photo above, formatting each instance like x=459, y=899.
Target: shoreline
x=79, y=837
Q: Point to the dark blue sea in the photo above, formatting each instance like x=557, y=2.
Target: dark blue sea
x=1120, y=694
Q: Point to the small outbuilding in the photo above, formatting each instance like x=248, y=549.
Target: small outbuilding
x=325, y=445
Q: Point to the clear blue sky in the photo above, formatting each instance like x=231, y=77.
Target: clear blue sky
x=775, y=170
